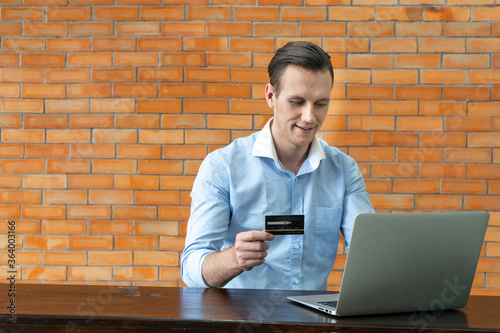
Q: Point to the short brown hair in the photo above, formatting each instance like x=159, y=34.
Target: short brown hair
x=306, y=55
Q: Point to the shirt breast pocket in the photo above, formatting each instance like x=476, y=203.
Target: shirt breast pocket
x=327, y=230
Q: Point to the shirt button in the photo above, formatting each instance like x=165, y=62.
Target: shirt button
x=296, y=179
x=297, y=212
x=297, y=246
x=296, y=281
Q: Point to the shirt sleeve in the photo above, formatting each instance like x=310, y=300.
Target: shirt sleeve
x=356, y=199
x=208, y=221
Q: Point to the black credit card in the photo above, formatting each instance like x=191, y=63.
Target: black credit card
x=285, y=224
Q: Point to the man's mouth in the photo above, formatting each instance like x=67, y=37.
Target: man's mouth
x=305, y=128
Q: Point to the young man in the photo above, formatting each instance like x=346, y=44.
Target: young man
x=281, y=170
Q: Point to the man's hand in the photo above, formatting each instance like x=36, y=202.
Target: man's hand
x=251, y=248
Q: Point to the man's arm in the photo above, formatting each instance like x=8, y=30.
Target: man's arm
x=249, y=251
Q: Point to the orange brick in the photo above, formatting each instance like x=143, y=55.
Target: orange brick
x=10, y=28
x=117, y=105
x=135, y=90
x=44, y=91
x=483, y=76
x=45, y=29
x=150, y=258
x=68, y=166
x=23, y=14
x=91, y=29
x=435, y=170
x=256, y=13
x=23, y=166
x=441, y=139
x=135, y=59
x=139, y=2
x=481, y=171
x=66, y=105
x=467, y=155
x=369, y=61
x=369, y=92
x=44, y=273
x=46, y=121
x=161, y=74
x=463, y=186
x=42, y=60
x=64, y=258
x=494, y=187
x=89, y=59
x=420, y=155
x=157, y=198
x=207, y=136
x=479, y=45
x=229, y=59
x=68, y=44
x=430, y=108
x=136, y=182
x=114, y=136
x=303, y=14
x=183, y=29
x=11, y=181
x=20, y=196
x=137, y=28
x=113, y=44
x=392, y=201
x=156, y=228
x=446, y=13
x=171, y=273
x=169, y=243
x=442, y=45
x=205, y=44
x=138, y=151
x=12, y=150
x=115, y=13
x=56, y=212
x=135, y=273
x=394, y=45
x=416, y=185
x=114, y=166
x=467, y=93
x=417, y=61
x=419, y=124
x=68, y=75
x=486, y=109
x=229, y=29
x=64, y=197
x=137, y=121
x=351, y=13
x=64, y=227
x=23, y=136
x=207, y=74
x=161, y=13
x=443, y=76
x=179, y=90
x=418, y=92
x=371, y=154
x=388, y=76
x=90, y=242
x=475, y=29
x=90, y=181
x=111, y=197
x=229, y=122
x=159, y=106
x=68, y=13
x=249, y=75
x=161, y=137
x=47, y=150
x=91, y=121
x=136, y=243
x=9, y=90
x=89, y=212
x=399, y=13
x=183, y=59
x=350, y=138
x=10, y=212
x=13, y=120
x=485, y=14
x=419, y=29
x=68, y=136
x=98, y=258
x=325, y=29
x=89, y=90
x=26, y=44
x=364, y=123
x=174, y=213
x=346, y=45
x=486, y=203
x=113, y=75
x=45, y=181
x=395, y=139
x=9, y=59
x=90, y=273
x=484, y=140
x=176, y=182
x=252, y=44
x=23, y=106
x=209, y=13
x=441, y=202
x=468, y=124
x=183, y=121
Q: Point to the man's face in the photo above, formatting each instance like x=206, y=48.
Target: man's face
x=300, y=107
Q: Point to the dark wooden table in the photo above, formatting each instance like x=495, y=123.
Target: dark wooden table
x=81, y=308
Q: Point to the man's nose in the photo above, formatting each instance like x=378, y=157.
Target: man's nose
x=308, y=113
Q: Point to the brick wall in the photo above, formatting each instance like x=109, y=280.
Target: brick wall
x=108, y=107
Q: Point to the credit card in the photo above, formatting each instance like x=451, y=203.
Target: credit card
x=285, y=224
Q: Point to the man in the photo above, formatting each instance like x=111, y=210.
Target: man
x=283, y=169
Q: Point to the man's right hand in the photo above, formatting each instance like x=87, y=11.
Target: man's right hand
x=251, y=248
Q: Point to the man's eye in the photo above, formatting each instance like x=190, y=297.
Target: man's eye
x=296, y=102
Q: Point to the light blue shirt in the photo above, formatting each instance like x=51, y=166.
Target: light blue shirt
x=238, y=185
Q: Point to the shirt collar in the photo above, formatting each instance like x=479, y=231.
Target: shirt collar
x=264, y=147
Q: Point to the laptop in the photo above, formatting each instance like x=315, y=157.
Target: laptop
x=406, y=262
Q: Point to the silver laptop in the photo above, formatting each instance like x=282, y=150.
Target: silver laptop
x=405, y=262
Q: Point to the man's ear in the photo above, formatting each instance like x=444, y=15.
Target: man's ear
x=270, y=95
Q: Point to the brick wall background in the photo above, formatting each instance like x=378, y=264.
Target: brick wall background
x=108, y=107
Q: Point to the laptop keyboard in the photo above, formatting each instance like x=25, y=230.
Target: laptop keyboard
x=333, y=304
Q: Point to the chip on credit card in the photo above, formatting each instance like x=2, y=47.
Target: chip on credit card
x=285, y=224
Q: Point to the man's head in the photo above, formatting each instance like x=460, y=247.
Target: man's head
x=305, y=55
